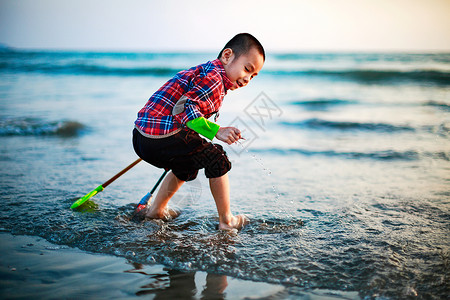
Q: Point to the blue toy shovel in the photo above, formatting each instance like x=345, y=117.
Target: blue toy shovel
x=146, y=199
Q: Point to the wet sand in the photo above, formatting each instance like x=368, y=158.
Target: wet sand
x=32, y=268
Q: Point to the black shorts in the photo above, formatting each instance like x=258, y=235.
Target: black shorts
x=184, y=153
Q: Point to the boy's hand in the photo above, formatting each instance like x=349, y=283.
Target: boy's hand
x=228, y=135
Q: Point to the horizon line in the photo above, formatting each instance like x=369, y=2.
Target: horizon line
x=209, y=51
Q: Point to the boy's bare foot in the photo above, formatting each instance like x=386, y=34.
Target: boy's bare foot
x=167, y=214
x=236, y=222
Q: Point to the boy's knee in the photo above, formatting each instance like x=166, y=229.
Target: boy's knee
x=185, y=175
x=218, y=168
x=218, y=162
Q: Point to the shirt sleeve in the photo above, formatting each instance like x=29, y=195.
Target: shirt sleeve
x=200, y=99
x=204, y=127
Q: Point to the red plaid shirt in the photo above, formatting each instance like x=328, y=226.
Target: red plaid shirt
x=203, y=86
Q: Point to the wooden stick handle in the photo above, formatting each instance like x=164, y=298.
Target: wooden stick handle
x=121, y=173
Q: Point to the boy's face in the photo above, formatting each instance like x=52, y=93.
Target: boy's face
x=242, y=69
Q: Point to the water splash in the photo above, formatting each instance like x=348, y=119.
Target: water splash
x=268, y=173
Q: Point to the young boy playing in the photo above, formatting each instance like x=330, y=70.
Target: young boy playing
x=167, y=129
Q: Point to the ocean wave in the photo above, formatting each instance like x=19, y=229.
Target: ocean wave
x=341, y=125
x=382, y=155
x=438, y=104
x=403, y=58
x=37, y=127
x=85, y=69
x=321, y=103
x=435, y=77
x=366, y=68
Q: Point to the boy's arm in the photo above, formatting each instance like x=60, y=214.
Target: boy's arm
x=210, y=130
x=204, y=127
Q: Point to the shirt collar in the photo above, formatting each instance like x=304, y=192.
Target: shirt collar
x=226, y=81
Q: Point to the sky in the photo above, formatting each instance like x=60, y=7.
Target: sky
x=206, y=25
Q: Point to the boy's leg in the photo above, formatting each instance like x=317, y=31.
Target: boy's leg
x=220, y=189
x=169, y=186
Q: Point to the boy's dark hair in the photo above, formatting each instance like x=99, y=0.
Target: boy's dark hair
x=242, y=43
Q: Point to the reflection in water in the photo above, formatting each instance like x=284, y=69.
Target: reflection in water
x=174, y=284
x=215, y=287
x=180, y=285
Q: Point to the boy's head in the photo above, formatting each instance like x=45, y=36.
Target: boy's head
x=242, y=57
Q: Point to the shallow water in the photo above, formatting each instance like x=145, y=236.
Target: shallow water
x=54, y=272
x=344, y=171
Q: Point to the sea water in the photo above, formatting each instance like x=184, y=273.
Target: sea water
x=344, y=171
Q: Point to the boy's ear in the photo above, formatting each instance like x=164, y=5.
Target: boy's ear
x=227, y=56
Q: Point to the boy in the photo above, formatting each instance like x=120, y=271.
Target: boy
x=167, y=129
